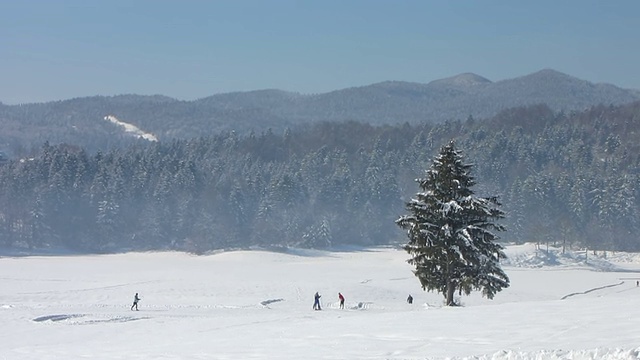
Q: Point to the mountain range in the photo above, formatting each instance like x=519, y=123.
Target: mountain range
x=81, y=121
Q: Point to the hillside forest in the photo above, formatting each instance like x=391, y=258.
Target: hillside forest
x=570, y=178
x=81, y=121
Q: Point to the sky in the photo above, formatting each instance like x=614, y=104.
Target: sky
x=258, y=305
x=55, y=50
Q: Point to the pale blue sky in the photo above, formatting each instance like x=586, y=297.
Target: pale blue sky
x=54, y=50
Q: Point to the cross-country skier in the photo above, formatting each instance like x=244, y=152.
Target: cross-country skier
x=316, y=301
x=135, y=302
x=341, y=298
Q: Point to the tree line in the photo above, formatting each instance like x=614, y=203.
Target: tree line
x=570, y=178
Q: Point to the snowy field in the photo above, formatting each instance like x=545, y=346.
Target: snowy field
x=258, y=305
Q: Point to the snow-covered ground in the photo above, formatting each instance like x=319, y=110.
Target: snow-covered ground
x=258, y=305
x=131, y=129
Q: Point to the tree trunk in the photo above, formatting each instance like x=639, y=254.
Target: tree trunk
x=451, y=289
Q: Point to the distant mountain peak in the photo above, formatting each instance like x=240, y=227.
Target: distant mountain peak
x=462, y=80
x=550, y=73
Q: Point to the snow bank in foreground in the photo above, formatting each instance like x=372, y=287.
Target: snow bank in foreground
x=601, y=354
x=258, y=305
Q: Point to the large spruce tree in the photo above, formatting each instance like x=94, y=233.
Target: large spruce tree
x=450, y=231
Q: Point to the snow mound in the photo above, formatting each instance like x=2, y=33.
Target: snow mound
x=55, y=318
x=84, y=319
x=364, y=305
x=602, y=354
x=533, y=256
x=529, y=256
x=266, y=303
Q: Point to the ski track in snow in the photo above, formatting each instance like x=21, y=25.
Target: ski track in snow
x=125, y=285
x=592, y=290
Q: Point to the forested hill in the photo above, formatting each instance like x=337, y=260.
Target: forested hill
x=566, y=177
x=82, y=122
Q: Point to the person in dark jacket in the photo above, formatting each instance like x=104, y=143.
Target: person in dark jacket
x=135, y=302
x=316, y=301
x=410, y=299
x=341, y=298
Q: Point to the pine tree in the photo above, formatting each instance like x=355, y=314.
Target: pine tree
x=449, y=231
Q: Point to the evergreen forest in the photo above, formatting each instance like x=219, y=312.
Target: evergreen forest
x=570, y=178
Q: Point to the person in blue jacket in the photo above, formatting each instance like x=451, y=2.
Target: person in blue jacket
x=316, y=301
x=135, y=302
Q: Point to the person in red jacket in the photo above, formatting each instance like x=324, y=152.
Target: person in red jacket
x=341, y=298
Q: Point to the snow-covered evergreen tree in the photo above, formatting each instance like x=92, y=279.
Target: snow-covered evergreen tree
x=450, y=233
